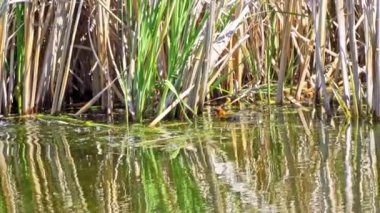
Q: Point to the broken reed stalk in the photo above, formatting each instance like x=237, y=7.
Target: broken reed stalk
x=238, y=55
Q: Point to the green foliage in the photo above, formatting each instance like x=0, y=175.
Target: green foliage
x=166, y=33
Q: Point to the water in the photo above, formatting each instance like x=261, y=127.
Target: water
x=278, y=161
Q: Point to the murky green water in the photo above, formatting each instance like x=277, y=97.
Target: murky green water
x=268, y=162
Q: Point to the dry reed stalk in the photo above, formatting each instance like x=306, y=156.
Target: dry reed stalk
x=369, y=35
x=101, y=51
x=40, y=31
x=102, y=29
x=339, y=6
x=236, y=65
x=12, y=67
x=190, y=76
x=207, y=54
x=69, y=47
x=48, y=64
x=29, y=41
x=132, y=70
x=289, y=8
x=119, y=94
x=306, y=48
x=95, y=98
x=304, y=69
x=256, y=46
x=261, y=59
x=224, y=39
x=171, y=107
x=229, y=71
x=95, y=64
x=125, y=86
x=232, y=50
x=190, y=79
x=4, y=96
x=63, y=20
x=376, y=74
x=354, y=55
x=320, y=25
x=67, y=53
x=196, y=80
x=226, y=35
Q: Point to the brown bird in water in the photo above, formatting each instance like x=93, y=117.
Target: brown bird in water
x=226, y=115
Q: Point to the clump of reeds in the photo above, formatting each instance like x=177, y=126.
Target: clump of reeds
x=166, y=58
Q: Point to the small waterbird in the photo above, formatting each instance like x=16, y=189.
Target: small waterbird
x=226, y=115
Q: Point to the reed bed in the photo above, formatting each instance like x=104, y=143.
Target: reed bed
x=166, y=59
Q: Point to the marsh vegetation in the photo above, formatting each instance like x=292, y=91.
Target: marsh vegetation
x=166, y=58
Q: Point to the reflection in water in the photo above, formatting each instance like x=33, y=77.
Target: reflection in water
x=268, y=162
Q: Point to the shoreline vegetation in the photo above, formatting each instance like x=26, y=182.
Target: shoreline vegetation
x=167, y=59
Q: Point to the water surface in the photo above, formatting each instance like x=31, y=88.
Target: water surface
x=276, y=160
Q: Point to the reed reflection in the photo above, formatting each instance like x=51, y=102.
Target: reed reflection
x=275, y=161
